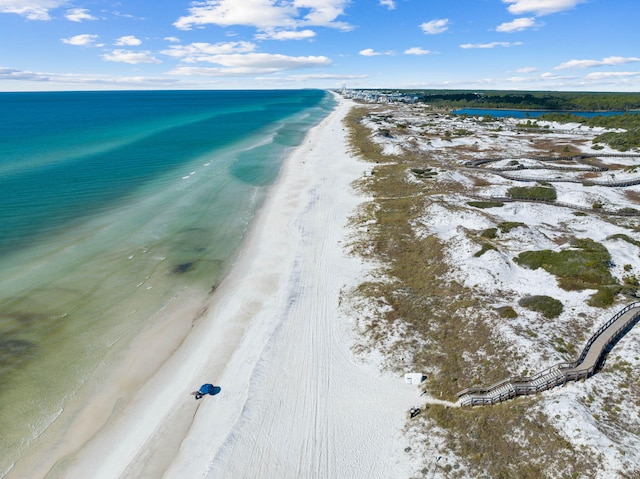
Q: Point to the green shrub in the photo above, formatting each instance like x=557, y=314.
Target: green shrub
x=507, y=312
x=485, y=204
x=604, y=297
x=532, y=193
x=485, y=247
x=626, y=238
x=585, y=266
x=546, y=305
x=489, y=233
x=507, y=226
x=423, y=173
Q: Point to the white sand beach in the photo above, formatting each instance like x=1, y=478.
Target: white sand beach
x=293, y=401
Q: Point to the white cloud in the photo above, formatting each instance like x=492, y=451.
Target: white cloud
x=128, y=41
x=172, y=39
x=518, y=25
x=526, y=70
x=370, y=52
x=543, y=77
x=417, y=51
x=596, y=63
x=435, y=26
x=31, y=9
x=610, y=75
x=79, y=14
x=82, y=79
x=196, y=52
x=540, y=7
x=490, y=45
x=80, y=40
x=13, y=74
x=390, y=4
x=286, y=35
x=312, y=76
x=265, y=14
x=127, y=56
x=252, y=64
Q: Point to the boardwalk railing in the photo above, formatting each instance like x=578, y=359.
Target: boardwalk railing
x=590, y=361
x=599, y=211
x=503, y=171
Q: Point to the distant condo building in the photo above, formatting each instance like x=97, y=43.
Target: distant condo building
x=373, y=96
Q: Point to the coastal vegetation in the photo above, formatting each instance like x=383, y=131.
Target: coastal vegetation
x=525, y=100
x=539, y=193
x=586, y=265
x=442, y=327
x=619, y=140
x=485, y=204
x=546, y=305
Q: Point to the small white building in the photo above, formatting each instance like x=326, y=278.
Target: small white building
x=414, y=378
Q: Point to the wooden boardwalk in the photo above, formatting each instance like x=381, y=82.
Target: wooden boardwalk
x=504, y=171
x=590, y=361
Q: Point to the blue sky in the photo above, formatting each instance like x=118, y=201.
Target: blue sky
x=589, y=45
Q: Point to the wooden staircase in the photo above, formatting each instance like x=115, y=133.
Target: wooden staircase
x=590, y=361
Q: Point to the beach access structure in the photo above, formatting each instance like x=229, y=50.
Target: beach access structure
x=590, y=362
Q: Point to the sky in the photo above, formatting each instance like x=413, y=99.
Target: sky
x=567, y=45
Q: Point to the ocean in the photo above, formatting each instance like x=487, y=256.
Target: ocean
x=112, y=205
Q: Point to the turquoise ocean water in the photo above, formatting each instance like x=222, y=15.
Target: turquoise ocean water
x=112, y=204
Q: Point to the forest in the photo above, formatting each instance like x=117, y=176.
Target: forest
x=620, y=140
x=548, y=100
x=543, y=100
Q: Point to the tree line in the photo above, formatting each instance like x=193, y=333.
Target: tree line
x=543, y=100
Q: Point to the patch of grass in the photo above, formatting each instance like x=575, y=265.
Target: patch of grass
x=584, y=266
x=563, y=347
x=605, y=296
x=507, y=226
x=502, y=456
x=632, y=195
x=542, y=193
x=489, y=233
x=462, y=132
x=546, y=305
x=423, y=173
x=507, y=312
x=485, y=247
x=626, y=238
x=485, y=204
x=628, y=211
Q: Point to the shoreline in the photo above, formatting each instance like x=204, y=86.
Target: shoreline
x=272, y=337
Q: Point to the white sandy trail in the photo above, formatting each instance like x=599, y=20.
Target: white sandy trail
x=293, y=403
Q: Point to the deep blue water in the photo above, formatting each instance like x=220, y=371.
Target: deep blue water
x=500, y=113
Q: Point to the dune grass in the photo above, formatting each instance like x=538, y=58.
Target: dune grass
x=428, y=322
x=541, y=193
x=585, y=266
x=485, y=204
x=549, y=307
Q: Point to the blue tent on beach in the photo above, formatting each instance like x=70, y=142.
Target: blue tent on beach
x=207, y=389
